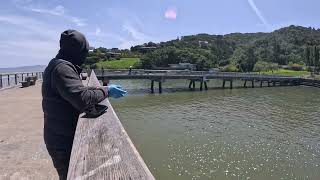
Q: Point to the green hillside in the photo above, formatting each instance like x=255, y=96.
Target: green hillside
x=123, y=63
x=295, y=45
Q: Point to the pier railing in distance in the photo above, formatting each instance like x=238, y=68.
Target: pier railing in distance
x=14, y=79
x=103, y=150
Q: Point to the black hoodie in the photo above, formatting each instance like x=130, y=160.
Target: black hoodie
x=64, y=96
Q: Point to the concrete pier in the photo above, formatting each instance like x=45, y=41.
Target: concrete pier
x=23, y=155
x=22, y=151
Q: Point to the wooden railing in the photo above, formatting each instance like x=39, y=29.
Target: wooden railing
x=107, y=72
x=103, y=150
x=184, y=74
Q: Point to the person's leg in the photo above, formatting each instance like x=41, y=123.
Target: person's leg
x=60, y=159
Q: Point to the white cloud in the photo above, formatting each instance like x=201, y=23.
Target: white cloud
x=21, y=1
x=136, y=36
x=171, y=13
x=98, y=31
x=57, y=11
x=133, y=28
x=77, y=21
x=134, y=32
x=28, y=25
x=105, y=35
x=31, y=42
x=259, y=14
x=29, y=51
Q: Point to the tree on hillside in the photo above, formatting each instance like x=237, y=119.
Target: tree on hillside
x=316, y=58
x=244, y=58
x=290, y=44
x=307, y=54
x=261, y=66
x=251, y=59
x=276, y=52
x=248, y=61
x=238, y=56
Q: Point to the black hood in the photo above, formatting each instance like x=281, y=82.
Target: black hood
x=74, y=47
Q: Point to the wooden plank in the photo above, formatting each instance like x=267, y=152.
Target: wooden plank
x=103, y=150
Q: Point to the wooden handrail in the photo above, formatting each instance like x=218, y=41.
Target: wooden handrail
x=145, y=72
x=102, y=149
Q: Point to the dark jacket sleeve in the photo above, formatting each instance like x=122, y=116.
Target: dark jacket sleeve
x=69, y=85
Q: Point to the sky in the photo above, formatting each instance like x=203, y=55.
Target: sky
x=30, y=29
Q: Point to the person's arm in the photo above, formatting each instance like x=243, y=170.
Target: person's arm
x=70, y=87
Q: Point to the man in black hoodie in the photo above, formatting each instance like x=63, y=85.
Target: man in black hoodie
x=65, y=97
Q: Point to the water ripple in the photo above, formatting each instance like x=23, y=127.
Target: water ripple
x=270, y=133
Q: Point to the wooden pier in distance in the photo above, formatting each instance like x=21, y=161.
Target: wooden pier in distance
x=202, y=77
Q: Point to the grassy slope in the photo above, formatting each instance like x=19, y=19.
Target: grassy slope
x=288, y=72
x=123, y=63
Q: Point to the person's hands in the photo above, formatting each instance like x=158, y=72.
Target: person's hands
x=116, y=91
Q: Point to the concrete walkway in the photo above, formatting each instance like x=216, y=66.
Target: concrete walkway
x=23, y=155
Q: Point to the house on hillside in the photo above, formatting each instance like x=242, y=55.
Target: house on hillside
x=203, y=44
x=114, y=55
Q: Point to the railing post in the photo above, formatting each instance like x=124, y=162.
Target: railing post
x=1, y=81
x=16, y=78
x=8, y=79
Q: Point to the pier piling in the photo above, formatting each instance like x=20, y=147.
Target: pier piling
x=152, y=86
x=160, y=87
x=205, y=85
x=190, y=84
